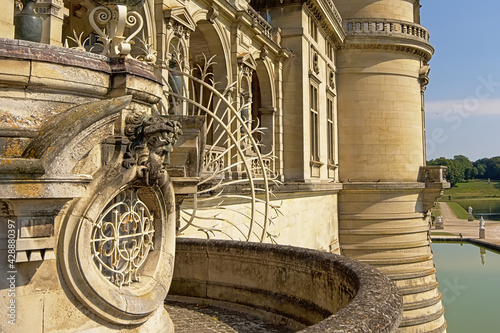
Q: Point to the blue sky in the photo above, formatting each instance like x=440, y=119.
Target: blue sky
x=463, y=96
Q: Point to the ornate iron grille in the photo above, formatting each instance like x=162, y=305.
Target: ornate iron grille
x=122, y=238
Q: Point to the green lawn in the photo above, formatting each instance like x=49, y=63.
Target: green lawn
x=481, y=196
x=477, y=188
x=459, y=211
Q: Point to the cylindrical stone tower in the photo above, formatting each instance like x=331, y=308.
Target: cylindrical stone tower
x=383, y=209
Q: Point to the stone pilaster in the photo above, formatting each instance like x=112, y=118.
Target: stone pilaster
x=52, y=13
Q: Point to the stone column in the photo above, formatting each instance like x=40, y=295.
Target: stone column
x=383, y=209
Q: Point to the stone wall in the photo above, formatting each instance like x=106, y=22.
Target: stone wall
x=293, y=223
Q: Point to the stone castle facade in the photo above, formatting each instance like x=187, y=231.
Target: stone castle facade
x=335, y=88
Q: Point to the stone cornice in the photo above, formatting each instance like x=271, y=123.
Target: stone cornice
x=384, y=186
x=329, y=19
x=324, y=11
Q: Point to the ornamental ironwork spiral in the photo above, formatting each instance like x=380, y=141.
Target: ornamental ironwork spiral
x=233, y=148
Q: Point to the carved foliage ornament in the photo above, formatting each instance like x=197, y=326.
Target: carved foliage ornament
x=179, y=30
x=152, y=138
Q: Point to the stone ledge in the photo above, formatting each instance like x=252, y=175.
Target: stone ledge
x=384, y=186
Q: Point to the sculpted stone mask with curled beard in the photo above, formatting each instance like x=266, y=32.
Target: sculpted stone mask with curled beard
x=151, y=140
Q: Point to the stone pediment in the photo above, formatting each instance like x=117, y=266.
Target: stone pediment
x=247, y=60
x=180, y=15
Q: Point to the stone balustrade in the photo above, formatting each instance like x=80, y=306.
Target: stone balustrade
x=395, y=28
x=333, y=11
x=260, y=21
x=257, y=170
x=319, y=291
x=213, y=159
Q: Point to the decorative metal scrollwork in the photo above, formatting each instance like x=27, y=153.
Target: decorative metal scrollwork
x=122, y=238
x=116, y=18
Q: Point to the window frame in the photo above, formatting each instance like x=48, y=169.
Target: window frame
x=314, y=147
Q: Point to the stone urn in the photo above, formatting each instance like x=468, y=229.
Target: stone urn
x=28, y=23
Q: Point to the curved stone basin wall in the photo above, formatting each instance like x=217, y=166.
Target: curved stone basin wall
x=321, y=290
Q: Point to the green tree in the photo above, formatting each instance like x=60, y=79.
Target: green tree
x=466, y=167
x=481, y=169
x=491, y=167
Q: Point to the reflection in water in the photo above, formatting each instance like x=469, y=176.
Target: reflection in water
x=470, y=287
x=482, y=251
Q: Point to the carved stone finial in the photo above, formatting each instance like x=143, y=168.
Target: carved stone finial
x=151, y=139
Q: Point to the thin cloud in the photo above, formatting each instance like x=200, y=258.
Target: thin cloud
x=467, y=107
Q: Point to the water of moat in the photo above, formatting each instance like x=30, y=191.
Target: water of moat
x=469, y=281
x=489, y=208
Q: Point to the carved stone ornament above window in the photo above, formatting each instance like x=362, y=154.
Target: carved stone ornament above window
x=179, y=19
x=315, y=62
x=331, y=78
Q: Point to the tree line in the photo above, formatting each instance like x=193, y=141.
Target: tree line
x=461, y=169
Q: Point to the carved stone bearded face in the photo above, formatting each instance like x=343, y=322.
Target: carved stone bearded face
x=151, y=142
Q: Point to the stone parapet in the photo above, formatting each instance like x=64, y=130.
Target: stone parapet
x=319, y=290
